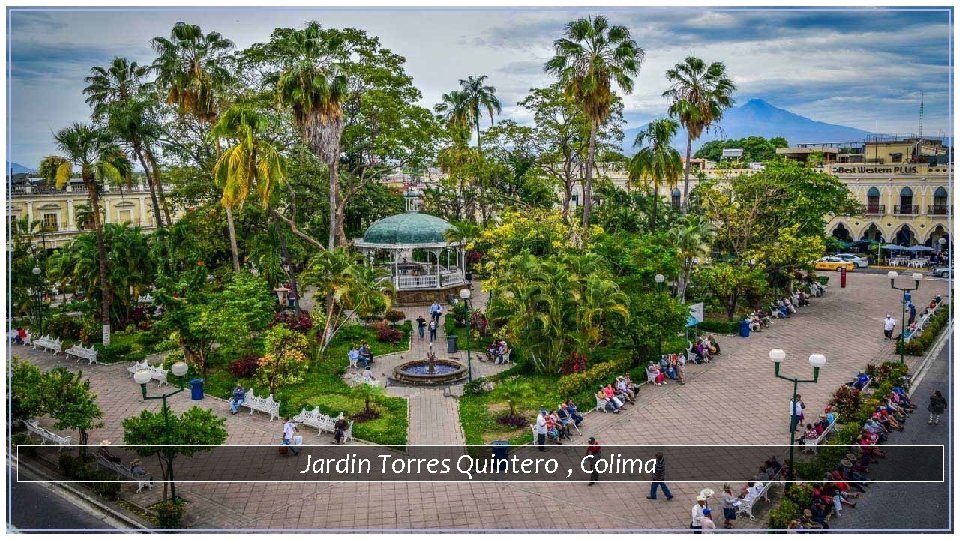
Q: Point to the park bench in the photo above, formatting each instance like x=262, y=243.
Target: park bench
x=142, y=479
x=28, y=340
x=360, y=379
x=265, y=405
x=601, y=404
x=746, y=507
x=158, y=374
x=81, y=352
x=46, y=435
x=810, y=445
x=48, y=343
x=137, y=366
x=323, y=422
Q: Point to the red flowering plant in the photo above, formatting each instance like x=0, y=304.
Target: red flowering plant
x=576, y=363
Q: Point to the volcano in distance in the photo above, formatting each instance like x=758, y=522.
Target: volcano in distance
x=757, y=117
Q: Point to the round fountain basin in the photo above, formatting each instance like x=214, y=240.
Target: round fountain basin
x=418, y=372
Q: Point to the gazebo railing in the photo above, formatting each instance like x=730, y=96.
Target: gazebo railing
x=428, y=281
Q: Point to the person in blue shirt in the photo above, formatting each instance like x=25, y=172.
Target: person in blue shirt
x=353, y=355
x=913, y=313
x=236, y=398
x=366, y=357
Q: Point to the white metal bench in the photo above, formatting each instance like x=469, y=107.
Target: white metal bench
x=746, y=507
x=810, y=445
x=142, y=479
x=158, y=374
x=137, y=366
x=265, y=405
x=48, y=343
x=81, y=352
x=601, y=404
x=28, y=340
x=360, y=379
x=323, y=422
x=46, y=435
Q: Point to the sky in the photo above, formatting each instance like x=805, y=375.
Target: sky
x=863, y=68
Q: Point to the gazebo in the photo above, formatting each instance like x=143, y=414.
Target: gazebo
x=423, y=264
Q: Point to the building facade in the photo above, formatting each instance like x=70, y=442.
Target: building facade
x=58, y=209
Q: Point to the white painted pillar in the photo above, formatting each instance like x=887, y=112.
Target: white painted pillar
x=106, y=210
x=29, y=212
x=71, y=217
x=142, y=219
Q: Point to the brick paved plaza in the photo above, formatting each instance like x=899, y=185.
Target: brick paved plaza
x=734, y=400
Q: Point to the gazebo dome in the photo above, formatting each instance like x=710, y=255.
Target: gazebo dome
x=411, y=228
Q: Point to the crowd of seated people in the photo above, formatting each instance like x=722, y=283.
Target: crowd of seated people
x=703, y=349
x=917, y=324
x=615, y=396
x=813, y=431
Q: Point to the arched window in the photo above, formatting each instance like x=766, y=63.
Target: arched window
x=873, y=201
x=939, y=201
x=675, y=197
x=906, y=201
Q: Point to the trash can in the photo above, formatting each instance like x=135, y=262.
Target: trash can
x=196, y=389
x=744, y=328
x=499, y=450
x=452, y=344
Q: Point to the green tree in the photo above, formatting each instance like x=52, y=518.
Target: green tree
x=69, y=401
x=693, y=237
x=284, y=361
x=588, y=58
x=657, y=161
x=196, y=430
x=698, y=94
x=479, y=97
x=731, y=282
x=26, y=401
x=99, y=160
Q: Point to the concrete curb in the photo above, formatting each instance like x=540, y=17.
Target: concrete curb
x=73, y=493
x=931, y=354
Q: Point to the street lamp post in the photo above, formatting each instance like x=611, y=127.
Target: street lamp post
x=142, y=377
x=659, y=279
x=903, y=313
x=817, y=361
x=38, y=297
x=465, y=295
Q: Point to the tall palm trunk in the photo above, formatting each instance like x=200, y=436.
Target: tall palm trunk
x=653, y=209
x=588, y=184
x=231, y=228
x=159, y=184
x=105, y=292
x=138, y=151
x=291, y=273
x=334, y=199
x=686, y=172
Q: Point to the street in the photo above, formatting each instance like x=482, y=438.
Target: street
x=38, y=507
x=910, y=506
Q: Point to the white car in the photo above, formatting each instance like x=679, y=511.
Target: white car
x=861, y=262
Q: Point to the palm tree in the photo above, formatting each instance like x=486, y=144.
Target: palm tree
x=588, y=58
x=312, y=86
x=478, y=97
x=99, y=160
x=693, y=237
x=656, y=161
x=190, y=72
x=455, y=111
x=120, y=82
x=699, y=94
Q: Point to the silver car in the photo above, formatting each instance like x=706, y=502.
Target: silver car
x=861, y=262
x=942, y=271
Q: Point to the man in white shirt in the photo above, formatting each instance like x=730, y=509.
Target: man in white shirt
x=796, y=407
x=435, y=311
x=289, y=428
x=541, y=428
x=696, y=514
x=888, y=325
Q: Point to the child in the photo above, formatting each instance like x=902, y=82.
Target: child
x=706, y=524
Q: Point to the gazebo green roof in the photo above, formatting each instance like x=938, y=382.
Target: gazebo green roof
x=410, y=228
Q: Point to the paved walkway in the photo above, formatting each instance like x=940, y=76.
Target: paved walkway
x=735, y=400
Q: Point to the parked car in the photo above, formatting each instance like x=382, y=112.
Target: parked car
x=861, y=262
x=833, y=263
x=943, y=271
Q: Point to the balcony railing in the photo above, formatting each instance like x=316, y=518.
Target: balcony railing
x=940, y=209
x=906, y=210
x=875, y=210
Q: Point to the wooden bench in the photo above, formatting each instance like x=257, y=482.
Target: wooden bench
x=47, y=435
x=265, y=405
x=48, y=343
x=746, y=507
x=81, y=352
x=142, y=479
x=323, y=422
x=810, y=445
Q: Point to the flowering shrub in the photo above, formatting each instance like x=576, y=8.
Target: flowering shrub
x=514, y=420
x=394, y=315
x=575, y=364
x=600, y=374
x=303, y=323
x=245, y=367
x=479, y=323
x=388, y=334
x=846, y=402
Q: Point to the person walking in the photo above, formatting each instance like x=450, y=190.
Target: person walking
x=435, y=311
x=888, y=325
x=421, y=325
x=913, y=313
x=938, y=404
x=593, y=452
x=541, y=428
x=289, y=428
x=433, y=331
x=696, y=514
x=659, y=477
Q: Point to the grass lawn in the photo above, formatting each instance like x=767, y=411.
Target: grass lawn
x=323, y=387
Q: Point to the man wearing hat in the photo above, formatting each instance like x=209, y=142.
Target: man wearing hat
x=593, y=452
x=696, y=514
x=541, y=428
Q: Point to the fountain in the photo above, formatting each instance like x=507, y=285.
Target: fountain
x=429, y=371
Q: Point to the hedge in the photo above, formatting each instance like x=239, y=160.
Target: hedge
x=720, y=327
x=600, y=374
x=920, y=344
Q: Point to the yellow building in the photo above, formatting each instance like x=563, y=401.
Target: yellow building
x=57, y=209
